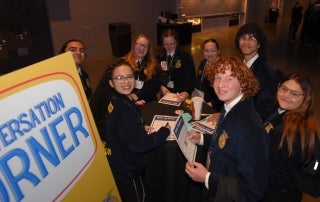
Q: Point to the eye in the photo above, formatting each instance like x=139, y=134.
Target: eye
x=130, y=76
x=119, y=77
x=295, y=94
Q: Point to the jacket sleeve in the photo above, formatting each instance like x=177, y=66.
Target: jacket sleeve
x=132, y=133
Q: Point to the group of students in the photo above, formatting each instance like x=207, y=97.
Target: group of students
x=265, y=132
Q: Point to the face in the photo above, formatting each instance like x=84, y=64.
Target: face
x=290, y=95
x=248, y=45
x=170, y=44
x=122, y=80
x=210, y=51
x=226, y=87
x=78, y=51
x=141, y=48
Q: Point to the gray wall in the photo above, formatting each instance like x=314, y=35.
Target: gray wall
x=89, y=20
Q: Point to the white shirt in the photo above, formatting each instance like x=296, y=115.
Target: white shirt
x=251, y=61
x=171, y=54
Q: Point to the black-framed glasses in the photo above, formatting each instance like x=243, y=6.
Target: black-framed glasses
x=121, y=78
x=292, y=93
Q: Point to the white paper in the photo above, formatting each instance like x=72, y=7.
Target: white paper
x=203, y=126
x=187, y=147
x=170, y=99
x=161, y=120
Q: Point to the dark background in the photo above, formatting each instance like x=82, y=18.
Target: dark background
x=25, y=28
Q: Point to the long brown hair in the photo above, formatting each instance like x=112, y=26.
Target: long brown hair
x=301, y=121
x=149, y=59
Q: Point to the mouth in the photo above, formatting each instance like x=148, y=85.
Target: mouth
x=127, y=87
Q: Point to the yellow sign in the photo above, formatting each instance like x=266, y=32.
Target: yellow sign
x=50, y=149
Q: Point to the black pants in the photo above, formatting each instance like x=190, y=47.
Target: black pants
x=131, y=189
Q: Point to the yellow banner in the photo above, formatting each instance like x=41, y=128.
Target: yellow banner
x=50, y=148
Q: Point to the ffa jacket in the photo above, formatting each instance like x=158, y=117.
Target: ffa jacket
x=126, y=139
x=264, y=100
x=150, y=87
x=239, y=155
x=282, y=168
x=181, y=71
x=84, y=77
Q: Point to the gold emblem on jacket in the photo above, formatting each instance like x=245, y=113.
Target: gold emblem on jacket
x=110, y=107
x=223, y=139
x=268, y=127
x=178, y=64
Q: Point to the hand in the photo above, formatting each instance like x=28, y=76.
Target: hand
x=194, y=137
x=168, y=126
x=149, y=129
x=134, y=96
x=140, y=102
x=182, y=96
x=196, y=171
x=164, y=90
x=214, y=118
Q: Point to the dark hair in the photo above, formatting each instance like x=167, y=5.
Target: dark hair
x=116, y=64
x=170, y=32
x=211, y=40
x=64, y=46
x=255, y=31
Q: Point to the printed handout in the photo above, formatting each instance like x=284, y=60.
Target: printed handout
x=161, y=120
x=187, y=147
x=170, y=99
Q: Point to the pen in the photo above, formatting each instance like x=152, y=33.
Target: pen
x=205, y=114
x=166, y=124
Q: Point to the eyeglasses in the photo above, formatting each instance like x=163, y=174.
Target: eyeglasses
x=248, y=38
x=292, y=93
x=121, y=78
x=140, y=45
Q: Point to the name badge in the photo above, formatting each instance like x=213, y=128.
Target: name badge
x=170, y=84
x=139, y=84
x=164, y=65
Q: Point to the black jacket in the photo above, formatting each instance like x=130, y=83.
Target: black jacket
x=265, y=98
x=150, y=87
x=126, y=138
x=84, y=77
x=239, y=155
x=282, y=169
x=181, y=71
